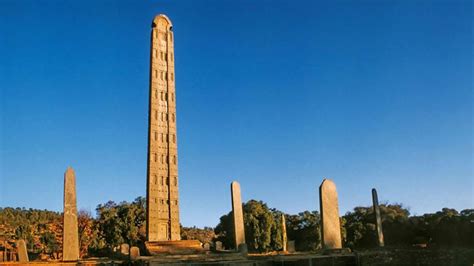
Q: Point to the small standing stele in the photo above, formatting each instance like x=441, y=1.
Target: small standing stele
x=283, y=233
x=22, y=251
x=330, y=223
x=237, y=214
x=70, y=228
x=378, y=218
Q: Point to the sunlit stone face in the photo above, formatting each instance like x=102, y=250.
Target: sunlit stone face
x=162, y=179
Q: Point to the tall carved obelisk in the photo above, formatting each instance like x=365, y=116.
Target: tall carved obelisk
x=162, y=173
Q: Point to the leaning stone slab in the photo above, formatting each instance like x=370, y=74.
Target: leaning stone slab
x=22, y=252
x=329, y=207
x=237, y=214
x=378, y=218
x=70, y=229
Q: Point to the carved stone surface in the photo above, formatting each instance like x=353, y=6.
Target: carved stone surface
x=283, y=233
x=70, y=230
x=378, y=218
x=206, y=246
x=22, y=252
x=237, y=214
x=134, y=253
x=329, y=208
x=162, y=171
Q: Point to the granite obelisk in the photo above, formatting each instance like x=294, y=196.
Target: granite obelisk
x=283, y=232
x=329, y=207
x=378, y=218
x=70, y=229
x=237, y=214
x=22, y=251
x=162, y=200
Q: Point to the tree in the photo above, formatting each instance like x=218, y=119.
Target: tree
x=120, y=223
x=360, y=227
x=304, y=228
x=261, y=224
x=205, y=235
x=225, y=231
x=262, y=232
x=86, y=232
x=49, y=242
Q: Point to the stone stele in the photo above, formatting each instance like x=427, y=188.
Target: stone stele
x=291, y=246
x=329, y=208
x=237, y=214
x=378, y=218
x=134, y=253
x=162, y=199
x=70, y=230
x=125, y=249
x=22, y=252
x=283, y=233
x=218, y=245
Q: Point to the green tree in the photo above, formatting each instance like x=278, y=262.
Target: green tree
x=360, y=229
x=304, y=228
x=261, y=224
x=262, y=232
x=48, y=239
x=120, y=223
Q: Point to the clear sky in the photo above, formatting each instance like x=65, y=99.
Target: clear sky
x=274, y=94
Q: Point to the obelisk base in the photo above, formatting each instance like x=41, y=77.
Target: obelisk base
x=174, y=247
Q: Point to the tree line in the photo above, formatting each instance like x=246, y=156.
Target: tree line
x=125, y=222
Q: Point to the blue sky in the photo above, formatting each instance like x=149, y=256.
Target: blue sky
x=274, y=94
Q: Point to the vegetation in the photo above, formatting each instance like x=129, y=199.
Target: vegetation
x=125, y=222
x=262, y=228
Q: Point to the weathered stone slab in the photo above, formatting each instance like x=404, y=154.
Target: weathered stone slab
x=206, y=246
x=378, y=218
x=291, y=246
x=243, y=249
x=125, y=249
x=22, y=252
x=329, y=208
x=237, y=214
x=173, y=247
x=70, y=230
x=283, y=233
x=219, y=246
x=134, y=253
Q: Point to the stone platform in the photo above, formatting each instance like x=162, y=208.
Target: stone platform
x=174, y=247
x=237, y=259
